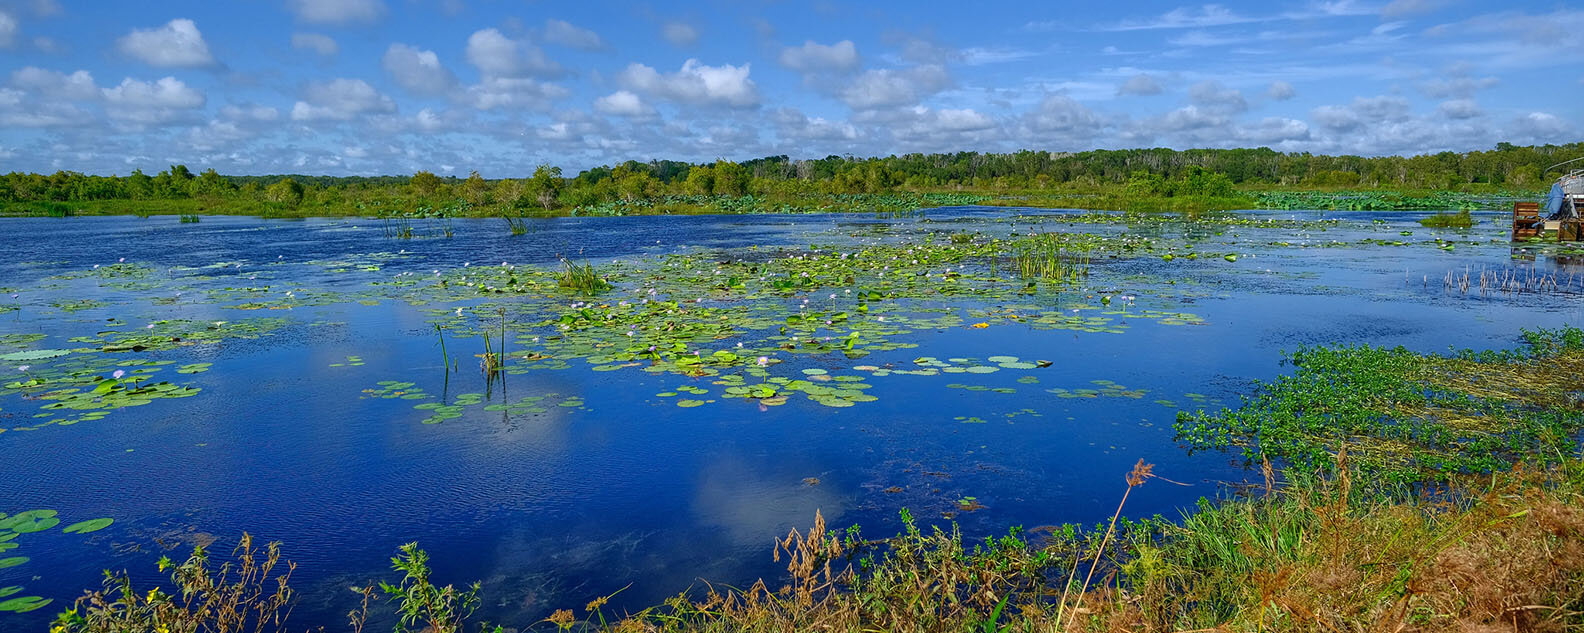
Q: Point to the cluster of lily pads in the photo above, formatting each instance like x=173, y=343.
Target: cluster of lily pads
x=13, y=527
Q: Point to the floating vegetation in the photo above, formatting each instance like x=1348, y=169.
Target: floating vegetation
x=171, y=334
x=1407, y=416
x=1386, y=200
x=1459, y=220
x=1101, y=389
x=30, y=522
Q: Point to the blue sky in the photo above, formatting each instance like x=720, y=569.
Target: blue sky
x=393, y=86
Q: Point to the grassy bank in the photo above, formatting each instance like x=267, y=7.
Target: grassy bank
x=1400, y=492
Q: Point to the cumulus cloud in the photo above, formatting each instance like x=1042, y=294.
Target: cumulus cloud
x=1141, y=84
x=151, y=102
x=1459, y=109
x=679, y=33
x=1280, y=91
x=1541, y=127
x=566, y=34
x=178, y=44
x=1461, y=87
x=249, y=112
x=419, y=71
x=320, y=44
x=891, y=87
x=622, y=103
x=694, y=83
x=1061, y=118
x=1215, y=98
x=78, y=86
x=340, y=100
x=336, y=11
x=513, y=93
x=813, y=56
x=9, y=29
x=496, y=55
x=1275, y=131
x=793, y=125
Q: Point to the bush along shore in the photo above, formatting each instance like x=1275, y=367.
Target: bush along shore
x=1401, y=492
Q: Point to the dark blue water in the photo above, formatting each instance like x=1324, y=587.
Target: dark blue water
x=551, y=510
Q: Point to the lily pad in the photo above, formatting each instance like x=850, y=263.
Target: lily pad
x=34, y=354
x=91, y=525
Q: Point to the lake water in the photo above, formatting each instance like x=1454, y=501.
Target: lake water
x=303, y=428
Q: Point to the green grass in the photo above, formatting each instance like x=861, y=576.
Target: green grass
x=1459, y=220
x=581, y=278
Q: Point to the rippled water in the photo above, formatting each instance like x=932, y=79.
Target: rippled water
x=552, y=509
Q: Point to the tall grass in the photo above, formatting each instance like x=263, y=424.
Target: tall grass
x=581, y=278
x=1459, y=220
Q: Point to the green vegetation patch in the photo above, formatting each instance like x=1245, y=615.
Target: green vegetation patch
x=1410, y=417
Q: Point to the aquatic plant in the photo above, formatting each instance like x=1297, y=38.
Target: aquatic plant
x=581, y=278
x=190, y=218
x=1409, y=417
x=1459, y=220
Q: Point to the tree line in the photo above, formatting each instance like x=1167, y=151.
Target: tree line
x=1157, y=171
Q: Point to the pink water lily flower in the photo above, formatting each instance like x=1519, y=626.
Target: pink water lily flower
x=118, y=374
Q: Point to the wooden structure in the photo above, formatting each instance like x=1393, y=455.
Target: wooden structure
x=1560, y=218
x=1526, y=220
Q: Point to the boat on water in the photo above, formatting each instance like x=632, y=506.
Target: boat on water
x=1558, y=216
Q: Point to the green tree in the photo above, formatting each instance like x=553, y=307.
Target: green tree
x=425, y=183
x=546, y=184
x=285, y=191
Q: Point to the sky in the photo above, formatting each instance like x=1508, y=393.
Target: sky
x=369, y=87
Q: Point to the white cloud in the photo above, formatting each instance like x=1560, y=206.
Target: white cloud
x=567, y=34
x=316, y=42
x=1185, y=17
x=1213, y=97
x=419, y=71
x=1459, y=109
x=340, y=100
x=496, y=55
x=695, y=83
x=1275, y=130
x=1459, y=87
x=1063, y=119
x=1280, y=91
x=622, y=103
x=151, y=102
x=1141, y=84
x=178, y=44
x=9, y=29
x=336, y=11
x=513, y=93
x=793, y=125
x=249, y=112
x=1543, y=127
x=679, y=33
x=78, y=86
x=895, y=87
x=813, y=56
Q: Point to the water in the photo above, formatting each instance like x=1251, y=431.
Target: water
x=551, y=509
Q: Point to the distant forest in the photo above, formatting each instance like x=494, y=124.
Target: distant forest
x=1504, y=167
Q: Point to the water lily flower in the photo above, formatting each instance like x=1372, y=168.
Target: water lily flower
x=121, y=260
x=459, y=312
x=118, y=374
x=24, y=367
x=764, y=360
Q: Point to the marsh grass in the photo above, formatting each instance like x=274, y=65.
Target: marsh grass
x=1459, y=220
x=516, y=225
x=581, y=278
